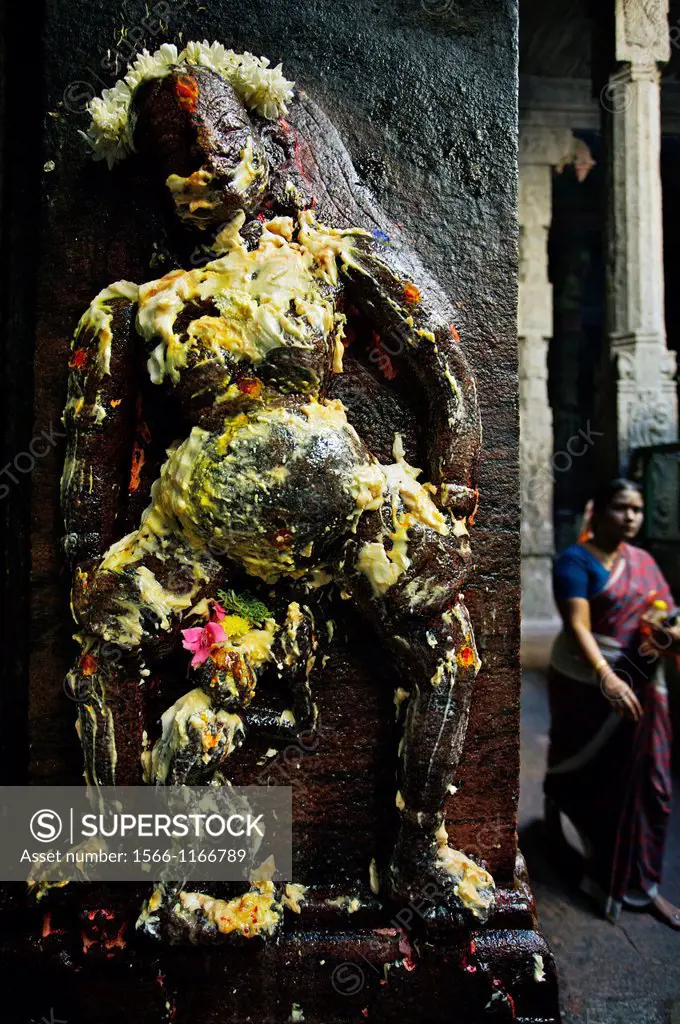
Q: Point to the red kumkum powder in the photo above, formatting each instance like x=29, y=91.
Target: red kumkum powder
x=250, y=386
x=88, y=664
x=411, y=292
x=138, y=458
x=78, y=359
x=466, y=657
x=186, y=91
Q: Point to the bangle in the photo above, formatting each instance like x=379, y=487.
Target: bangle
x=598, y=665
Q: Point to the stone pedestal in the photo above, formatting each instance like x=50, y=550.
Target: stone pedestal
x=541, y=149
x=646, y=397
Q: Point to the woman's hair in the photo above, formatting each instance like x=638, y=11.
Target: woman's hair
x=607, y=492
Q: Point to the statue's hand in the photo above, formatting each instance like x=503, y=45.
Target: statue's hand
x=228, y=676
x=82, y=592
x=459, y=500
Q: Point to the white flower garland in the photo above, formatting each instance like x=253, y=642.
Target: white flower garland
x=261, y=88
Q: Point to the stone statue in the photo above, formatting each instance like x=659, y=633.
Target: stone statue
x=270, y=490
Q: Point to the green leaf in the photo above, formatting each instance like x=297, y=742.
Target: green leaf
x=245, y=605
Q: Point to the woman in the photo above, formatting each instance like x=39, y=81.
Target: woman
x=609, y=757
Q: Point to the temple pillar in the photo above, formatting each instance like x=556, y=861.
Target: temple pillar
x=541, y=149
x=639, y=361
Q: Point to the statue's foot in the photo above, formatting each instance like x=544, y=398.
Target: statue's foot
x=438, y=881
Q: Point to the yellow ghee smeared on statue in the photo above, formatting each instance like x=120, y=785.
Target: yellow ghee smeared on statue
x=273, y=296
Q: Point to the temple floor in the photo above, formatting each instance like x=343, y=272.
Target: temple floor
x=625, y=974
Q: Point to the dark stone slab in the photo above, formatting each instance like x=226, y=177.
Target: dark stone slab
x=433, y=133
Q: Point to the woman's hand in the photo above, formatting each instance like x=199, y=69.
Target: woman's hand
x=620, y=695
x=575, y=613
x=674, y=633
x=662, y=640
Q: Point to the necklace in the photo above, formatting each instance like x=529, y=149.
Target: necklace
x=608, y=558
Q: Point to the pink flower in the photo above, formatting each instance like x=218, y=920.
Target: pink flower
x=218, y=611
x=200, y=639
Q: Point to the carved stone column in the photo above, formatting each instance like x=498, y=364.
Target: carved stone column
x=646, y=397
x=541, y=149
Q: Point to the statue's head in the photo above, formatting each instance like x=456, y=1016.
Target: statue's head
x=195, y=130
x=197, y=117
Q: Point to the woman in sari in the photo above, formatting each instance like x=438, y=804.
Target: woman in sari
x=609, y=756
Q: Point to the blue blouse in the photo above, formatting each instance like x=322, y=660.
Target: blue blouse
x=578, y=573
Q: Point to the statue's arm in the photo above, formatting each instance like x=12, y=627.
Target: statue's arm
x=99, y=418
x=416, y=326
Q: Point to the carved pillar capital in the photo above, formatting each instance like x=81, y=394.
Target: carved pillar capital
x=641, y=33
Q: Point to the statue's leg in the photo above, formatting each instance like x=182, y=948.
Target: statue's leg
x=110, y=689
x=140, y=612
x=130, y=606
x=209, y=722
x=146, y=589
x=406, y=568
x=294, y=653
x=198, y=733
x=197, y=737
x=442, y=661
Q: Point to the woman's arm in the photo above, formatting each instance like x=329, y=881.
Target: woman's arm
x=575, y=612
